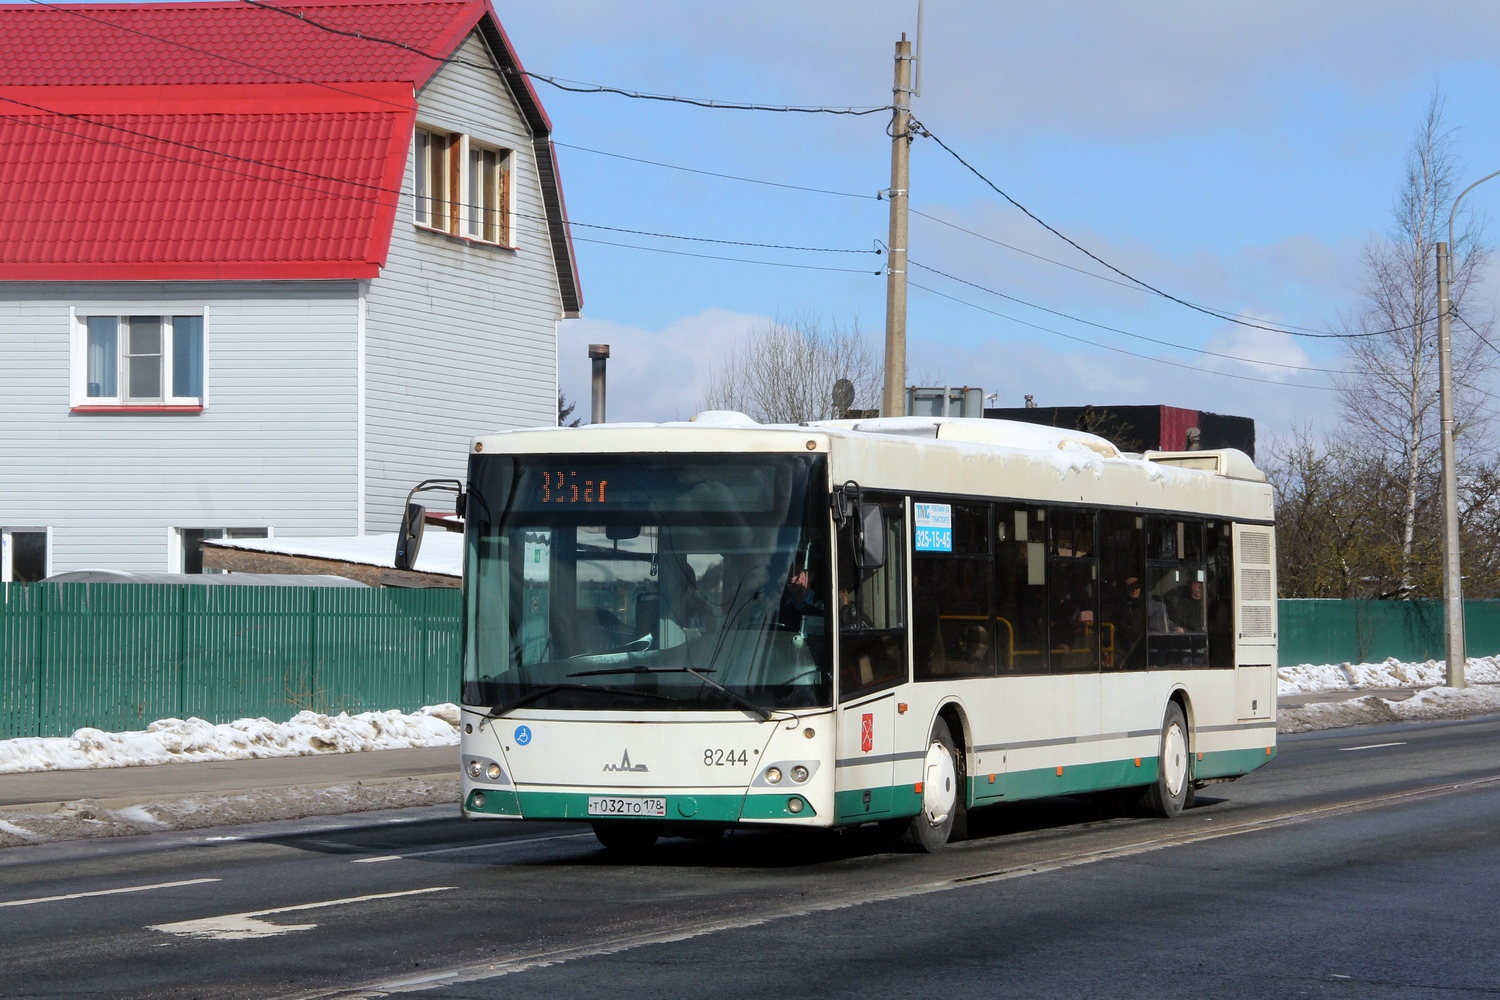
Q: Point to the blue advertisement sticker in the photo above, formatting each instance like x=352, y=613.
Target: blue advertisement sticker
x=523, y=735
x=933, y=523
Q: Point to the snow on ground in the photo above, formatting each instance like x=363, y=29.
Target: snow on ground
x=441, y=551
x=181, y=740
x=1308, y=678
x=1431, y=700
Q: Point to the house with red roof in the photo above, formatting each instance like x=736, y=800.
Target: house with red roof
x=263, y=267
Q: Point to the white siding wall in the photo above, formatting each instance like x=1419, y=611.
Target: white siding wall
x=276, y=445
x=461, y=337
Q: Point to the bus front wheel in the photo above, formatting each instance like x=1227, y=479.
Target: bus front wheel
x=1174, y=769
x=942, y=798
x=625, y=837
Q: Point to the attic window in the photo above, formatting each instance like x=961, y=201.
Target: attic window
x=489, y=194
x=437, y=180
x=462, y=186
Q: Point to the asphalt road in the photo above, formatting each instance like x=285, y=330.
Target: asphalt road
x=1361, y=863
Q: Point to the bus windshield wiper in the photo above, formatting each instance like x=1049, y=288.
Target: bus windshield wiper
x=702, y=675
x=540, y=693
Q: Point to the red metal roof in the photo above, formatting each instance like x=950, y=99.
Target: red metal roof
x=179, y=141
x=139, y=183
x=230, y=42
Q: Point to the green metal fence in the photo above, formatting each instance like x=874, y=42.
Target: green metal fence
x=1371, y=631
x=117, y=657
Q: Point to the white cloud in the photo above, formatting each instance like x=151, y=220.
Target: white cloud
x=651, y=374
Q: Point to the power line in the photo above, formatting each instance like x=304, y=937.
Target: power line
x=711, y=173
x=576, y=86
x=1119, y=350
x=922, y=130
x=1124, y=333
x=708, y=239
x=1079, y=270
x=738, y=260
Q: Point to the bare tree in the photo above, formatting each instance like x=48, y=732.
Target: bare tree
x=785, y=372
x=1390, y=397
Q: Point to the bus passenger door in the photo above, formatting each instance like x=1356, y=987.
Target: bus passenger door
x=872, y=660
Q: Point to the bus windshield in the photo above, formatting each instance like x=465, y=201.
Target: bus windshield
x=647, y=582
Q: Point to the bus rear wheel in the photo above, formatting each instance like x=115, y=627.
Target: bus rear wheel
x=942, y=798
x=1174, y=768
x=626, y=838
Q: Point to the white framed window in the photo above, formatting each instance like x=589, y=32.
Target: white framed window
x=438, y=166
x=488, y=209
x=139, y=358
x=185, y=546
x=462, y=186
x=25, y=554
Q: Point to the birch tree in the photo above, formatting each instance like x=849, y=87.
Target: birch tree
x=785, y=372
x=1390, y=397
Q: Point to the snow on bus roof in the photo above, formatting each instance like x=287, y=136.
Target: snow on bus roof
x=1065, y=450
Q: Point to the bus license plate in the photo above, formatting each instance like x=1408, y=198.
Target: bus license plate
x=626, y=805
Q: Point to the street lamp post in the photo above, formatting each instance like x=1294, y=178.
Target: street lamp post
x=1453, y=588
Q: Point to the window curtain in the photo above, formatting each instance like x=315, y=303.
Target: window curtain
x=103, y=357
x=187, y=357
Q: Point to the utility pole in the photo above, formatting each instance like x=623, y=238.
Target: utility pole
x=1453, y=586
x=893, y=400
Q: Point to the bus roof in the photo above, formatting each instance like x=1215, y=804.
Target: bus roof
x=964, y=455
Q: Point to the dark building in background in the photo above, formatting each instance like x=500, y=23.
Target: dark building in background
x=1142, y=428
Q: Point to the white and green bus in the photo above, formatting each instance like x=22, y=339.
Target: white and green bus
x=694, y=626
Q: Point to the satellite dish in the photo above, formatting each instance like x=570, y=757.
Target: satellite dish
x=843, y=396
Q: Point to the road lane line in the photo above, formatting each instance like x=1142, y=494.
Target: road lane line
x=107, y=892
x=478, y=847
x=240, y=926
x=559, y=956
x=1373, y=746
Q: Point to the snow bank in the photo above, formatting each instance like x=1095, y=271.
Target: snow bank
x=184, y=740
x=1433, y=703
x=1309, y=678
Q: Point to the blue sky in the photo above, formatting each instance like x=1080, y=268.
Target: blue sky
x=1239, y=156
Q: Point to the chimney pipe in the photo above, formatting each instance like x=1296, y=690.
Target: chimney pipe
x=598, y=354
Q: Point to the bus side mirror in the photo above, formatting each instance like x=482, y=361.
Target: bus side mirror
x=409, y=540
x=869, y=544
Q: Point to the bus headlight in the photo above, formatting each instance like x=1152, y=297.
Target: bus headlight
x=773, y=775
x=799, y=774
x=476, y=769
x=794, y=805
x=493, y=771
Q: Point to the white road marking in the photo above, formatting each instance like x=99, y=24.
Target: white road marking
x=240, y=926
x=1375, y=746
x=477, y=847
x=559, y=956
x=106, y=892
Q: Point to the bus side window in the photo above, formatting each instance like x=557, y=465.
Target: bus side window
x=1073, y=592
x=1020, y=549
x=1220, y=557
x=871, y=614
x=1122, y=630
x=952, y=624
x=1176, y=580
